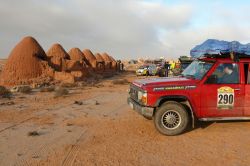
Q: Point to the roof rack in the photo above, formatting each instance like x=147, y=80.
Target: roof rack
x=233, y=55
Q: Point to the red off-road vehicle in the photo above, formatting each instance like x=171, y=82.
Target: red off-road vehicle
x=209, y=89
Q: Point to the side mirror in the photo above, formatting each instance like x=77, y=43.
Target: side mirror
x=212, y=79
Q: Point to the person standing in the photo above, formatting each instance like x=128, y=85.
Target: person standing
x=162, y=71
x=166, y=66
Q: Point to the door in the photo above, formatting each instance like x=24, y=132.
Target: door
x=222, y=95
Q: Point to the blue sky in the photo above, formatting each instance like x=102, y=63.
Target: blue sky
x=125, y=29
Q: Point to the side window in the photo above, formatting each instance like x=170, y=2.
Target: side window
x=246, y=73
x=225, y=73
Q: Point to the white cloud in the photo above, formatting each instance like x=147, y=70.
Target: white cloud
x=180, y=42
x=125, y=29
x=169, y=17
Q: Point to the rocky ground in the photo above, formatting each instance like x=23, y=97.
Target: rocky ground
x=93, y=125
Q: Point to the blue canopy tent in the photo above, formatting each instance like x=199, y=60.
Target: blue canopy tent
x=220, y=47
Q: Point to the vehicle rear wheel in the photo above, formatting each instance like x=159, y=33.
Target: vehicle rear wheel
x=171, y=118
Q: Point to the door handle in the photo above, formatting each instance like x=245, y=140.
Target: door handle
x=237, y=89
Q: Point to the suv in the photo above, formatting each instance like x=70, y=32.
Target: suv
x=209, y=89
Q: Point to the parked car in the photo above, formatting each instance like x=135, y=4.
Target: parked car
x=147, y=70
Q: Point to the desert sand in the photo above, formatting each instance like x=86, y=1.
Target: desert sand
x=86, y=121
x=93, y=125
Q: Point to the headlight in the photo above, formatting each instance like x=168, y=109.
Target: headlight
x=142, y=97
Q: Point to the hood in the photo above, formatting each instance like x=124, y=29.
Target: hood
x=158, y=82
x=140, y=69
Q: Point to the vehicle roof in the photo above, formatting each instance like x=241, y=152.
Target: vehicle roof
x=186, y=61
x=224, y=59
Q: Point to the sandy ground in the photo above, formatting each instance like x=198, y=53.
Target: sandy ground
x=105, y=131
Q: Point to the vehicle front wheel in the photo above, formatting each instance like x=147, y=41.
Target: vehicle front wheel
x=171, y=118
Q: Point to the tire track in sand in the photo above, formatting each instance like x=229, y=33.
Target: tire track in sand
x=73, y=152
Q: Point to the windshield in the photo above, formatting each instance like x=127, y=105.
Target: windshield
x=184, y=65
x=197, y=69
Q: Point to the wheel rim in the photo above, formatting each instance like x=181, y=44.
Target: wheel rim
x=171, y=119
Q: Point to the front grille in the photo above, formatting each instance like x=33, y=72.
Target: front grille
x=133, y=93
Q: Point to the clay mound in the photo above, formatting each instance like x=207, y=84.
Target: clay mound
x=112, y=59
x=76, y=54
x=106, y=57
x=114, y=63
x=57, y=57
x=72, y=65
x=100, y=62
x=91, y=59
x=99, y=57
x=26, y=62
x=56, y=50
x=2, y=63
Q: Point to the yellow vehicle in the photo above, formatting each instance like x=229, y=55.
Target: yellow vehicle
x=146, y=70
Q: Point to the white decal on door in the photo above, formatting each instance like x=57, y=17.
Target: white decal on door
x=225, y=98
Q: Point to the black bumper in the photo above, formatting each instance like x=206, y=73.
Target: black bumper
x=145, y=111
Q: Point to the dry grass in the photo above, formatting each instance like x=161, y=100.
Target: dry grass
x=47, y=89
x=78, y=102
x=68, y=85
x=8, y=103
x=33, y=133
x=61, y=92
x=4, y=92
x=120, y=82
x=25, y=89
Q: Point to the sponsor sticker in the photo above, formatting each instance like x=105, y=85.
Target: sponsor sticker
x=175, y=88
x=225, y=97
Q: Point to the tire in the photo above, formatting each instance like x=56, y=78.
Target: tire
x=171, y=118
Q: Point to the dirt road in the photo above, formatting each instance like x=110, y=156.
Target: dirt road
x=101, y=129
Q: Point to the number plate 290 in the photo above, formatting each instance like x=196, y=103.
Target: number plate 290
x=225, y=98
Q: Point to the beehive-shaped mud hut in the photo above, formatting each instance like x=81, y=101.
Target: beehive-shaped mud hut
x=76, y=54
x=26, y=64
x=57, y=57
x=114, y=63
x=110, y=64
x=91, y=59
x=100, y=62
